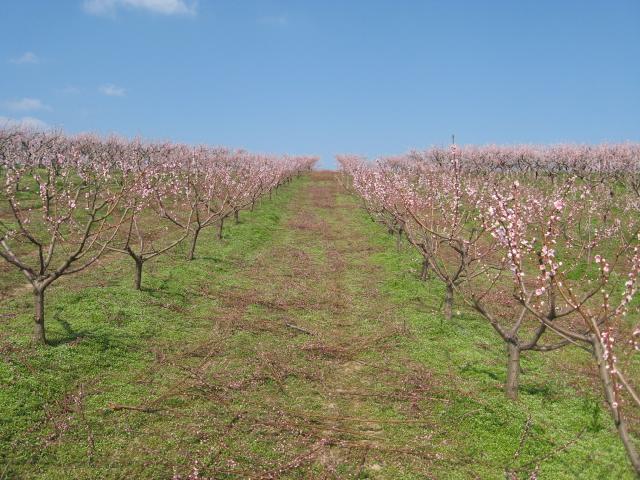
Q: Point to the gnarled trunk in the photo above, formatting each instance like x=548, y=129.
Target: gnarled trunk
x=448, y=302
x=236, y=216
x=513, y=370
x=39, y=333
x=220, y=227
x=424, y=273
x=139, y=264
x=138, y=260
x=192, y=248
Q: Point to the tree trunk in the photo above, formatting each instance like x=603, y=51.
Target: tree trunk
x=139, y=263
x=513, y=371
x=448, y=302
x=621, y=424
x=221, y=226
x=236, y=216
x=194, y=240
x=424, y=274
x=399, y=240
x=38, y=333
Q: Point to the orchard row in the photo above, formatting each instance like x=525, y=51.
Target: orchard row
x=67, y=200
x=542, y=242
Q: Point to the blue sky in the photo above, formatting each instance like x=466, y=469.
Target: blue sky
x=325, y=77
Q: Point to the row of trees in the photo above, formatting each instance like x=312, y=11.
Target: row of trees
x=66, y=200
x=542, y=242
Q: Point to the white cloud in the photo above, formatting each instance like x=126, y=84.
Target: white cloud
x=26, y=105
x=112, y=90
x=27, y=57
x=163, y=7
x=274, y=20
x=29, y=123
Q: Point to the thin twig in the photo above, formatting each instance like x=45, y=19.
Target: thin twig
x=299, y=329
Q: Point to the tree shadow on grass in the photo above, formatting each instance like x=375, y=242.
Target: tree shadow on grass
x=478, y=369
x=69, y=336
x=103, y=340
x=538, y=389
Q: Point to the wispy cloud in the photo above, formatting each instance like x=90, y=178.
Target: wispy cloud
x=274, y=20
x=29, y=123
x=163, y=7
x=112, y=90
x=26, y=105
x=69, y=90
x=26, y=57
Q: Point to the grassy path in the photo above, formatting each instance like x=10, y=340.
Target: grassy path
x=302, y=346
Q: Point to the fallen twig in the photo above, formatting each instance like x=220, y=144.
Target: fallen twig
x=299, y=329
x=116, y=407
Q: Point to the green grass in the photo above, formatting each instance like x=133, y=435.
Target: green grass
x=211, y=376
x=486, y=428
x=108, y=334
